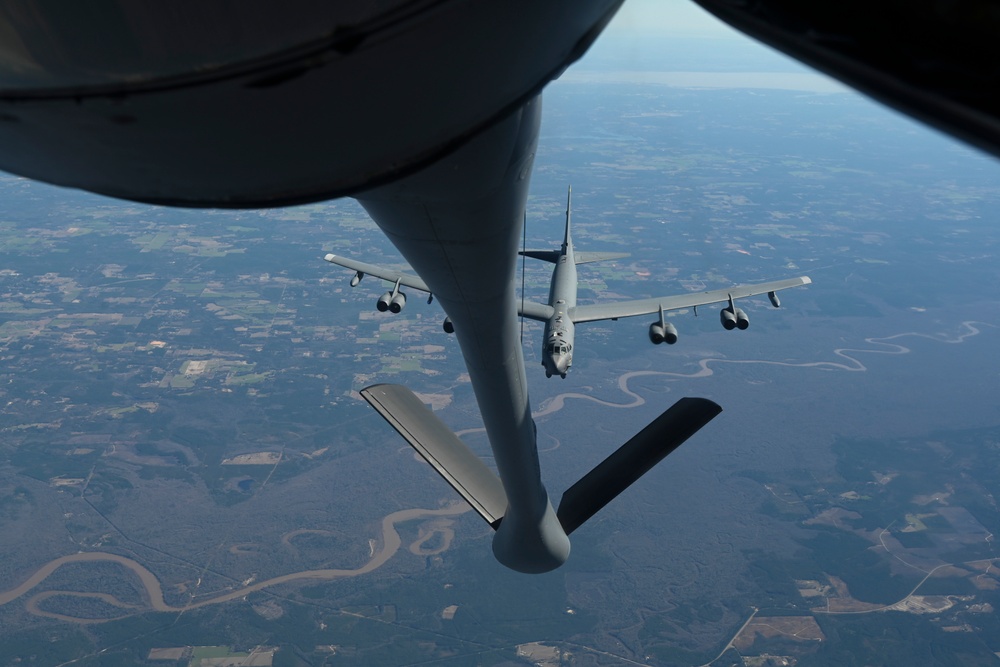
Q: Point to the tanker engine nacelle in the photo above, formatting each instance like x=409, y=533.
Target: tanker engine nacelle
x=734, y=318
x=662, y=333
x=448, y=327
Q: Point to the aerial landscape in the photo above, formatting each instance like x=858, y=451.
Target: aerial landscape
x=188, y=475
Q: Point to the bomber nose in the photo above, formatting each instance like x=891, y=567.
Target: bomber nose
x=562, y=364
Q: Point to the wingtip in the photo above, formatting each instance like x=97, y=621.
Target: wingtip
x=329, y=257
x=806, y=280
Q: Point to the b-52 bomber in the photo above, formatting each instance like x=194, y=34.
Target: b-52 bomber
x=561, y=314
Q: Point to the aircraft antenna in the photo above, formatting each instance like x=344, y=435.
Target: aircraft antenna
x=524, y=246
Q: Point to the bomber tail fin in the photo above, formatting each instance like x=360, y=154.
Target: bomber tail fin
x=569, y=200
x=633, y=459
x=436, y=443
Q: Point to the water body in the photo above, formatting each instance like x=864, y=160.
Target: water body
x=391, y=542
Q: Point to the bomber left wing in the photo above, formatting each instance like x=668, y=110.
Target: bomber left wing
x=614, y=310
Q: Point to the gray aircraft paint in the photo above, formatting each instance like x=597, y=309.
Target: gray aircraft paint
x=557, y=355
x=458, y=224
x=262, y=106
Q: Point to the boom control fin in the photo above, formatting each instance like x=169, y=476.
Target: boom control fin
x=633, y=459
x=483, y=490
x=435, y=442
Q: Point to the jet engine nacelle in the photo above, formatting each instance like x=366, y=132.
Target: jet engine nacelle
x=728, y=319
x=448, y=326
x=397, y=302
x=662, y=333
x=734, y=319
x=383, y=302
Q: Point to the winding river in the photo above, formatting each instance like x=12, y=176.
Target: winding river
x=391, y=540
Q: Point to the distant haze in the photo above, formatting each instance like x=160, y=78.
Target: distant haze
x=681, y=18
x=804, y=81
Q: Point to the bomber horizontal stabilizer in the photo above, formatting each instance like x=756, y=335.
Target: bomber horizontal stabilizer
x=588, y=256
x=551, y=256
x=634, y=459
x=436, y=443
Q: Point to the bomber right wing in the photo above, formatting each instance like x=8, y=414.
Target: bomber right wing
x=364, y=268
x=539, y=312
x=530, y=309
x=614, y=310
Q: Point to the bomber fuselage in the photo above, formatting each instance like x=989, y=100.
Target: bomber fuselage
x=557, y=356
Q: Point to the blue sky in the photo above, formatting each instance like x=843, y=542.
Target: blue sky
x=676, y=42
x=669, y=18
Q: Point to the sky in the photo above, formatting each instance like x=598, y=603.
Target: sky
x=668, y=18
x=677, y=43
